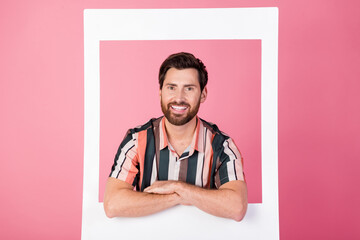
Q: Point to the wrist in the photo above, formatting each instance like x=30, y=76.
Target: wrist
x=178, y=187
x=183, y=189
x=174, y=198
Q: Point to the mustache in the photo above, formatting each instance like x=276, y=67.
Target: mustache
x=185, y=104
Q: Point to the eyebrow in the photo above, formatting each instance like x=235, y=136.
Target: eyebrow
x=175, y=85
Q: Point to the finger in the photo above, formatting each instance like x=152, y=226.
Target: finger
x=148, y=189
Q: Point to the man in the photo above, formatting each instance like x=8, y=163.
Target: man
x=178, y=158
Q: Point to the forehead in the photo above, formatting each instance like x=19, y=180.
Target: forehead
x=182, y=76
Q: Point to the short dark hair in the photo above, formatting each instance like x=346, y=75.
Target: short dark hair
x=181, y=61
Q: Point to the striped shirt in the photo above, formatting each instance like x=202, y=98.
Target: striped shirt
x=145, y=155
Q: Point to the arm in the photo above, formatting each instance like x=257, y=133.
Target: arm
x=229, y=201
x=121, y=200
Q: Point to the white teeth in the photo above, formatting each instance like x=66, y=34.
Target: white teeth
x=178, y=108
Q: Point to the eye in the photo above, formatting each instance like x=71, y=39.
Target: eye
x=189, y=88
x=171, y=87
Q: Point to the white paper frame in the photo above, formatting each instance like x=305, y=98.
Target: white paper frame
x=182, y=222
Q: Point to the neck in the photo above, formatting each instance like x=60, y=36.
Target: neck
x=183, y=133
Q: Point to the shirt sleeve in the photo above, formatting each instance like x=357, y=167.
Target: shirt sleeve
x=125, y=165
x=230, y=165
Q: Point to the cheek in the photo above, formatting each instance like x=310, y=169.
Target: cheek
x=164, y=97
x=195, y=98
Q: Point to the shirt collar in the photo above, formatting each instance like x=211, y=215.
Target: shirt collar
x=197, y=143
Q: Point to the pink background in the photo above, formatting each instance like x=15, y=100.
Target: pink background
x=42, y=102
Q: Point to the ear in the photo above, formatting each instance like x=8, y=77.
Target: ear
x=203, y=95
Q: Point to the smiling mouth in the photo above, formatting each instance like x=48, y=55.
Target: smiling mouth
x=178, y=108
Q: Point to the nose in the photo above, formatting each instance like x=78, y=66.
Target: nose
x=180, y=95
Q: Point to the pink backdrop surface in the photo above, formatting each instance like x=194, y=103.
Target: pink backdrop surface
x=129, y=95
x=42, y=115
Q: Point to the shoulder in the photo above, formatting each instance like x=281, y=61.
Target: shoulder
x=218, y=137
x=133, y=133
x=213, y=128
x=222, y=144
x=150, y=124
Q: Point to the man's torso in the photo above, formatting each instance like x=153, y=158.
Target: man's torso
x=145, y=156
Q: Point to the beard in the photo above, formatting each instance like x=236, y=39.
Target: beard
x=179, y=119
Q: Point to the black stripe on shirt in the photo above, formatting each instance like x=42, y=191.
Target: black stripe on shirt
x=149, y=158
x=223, y=173
x=191, y=170
x=164, y=164
x=136, y=179
x=217, y=149
x=202, y=169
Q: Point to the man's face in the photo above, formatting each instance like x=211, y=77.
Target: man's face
x=181, y=95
